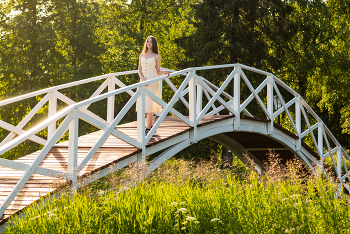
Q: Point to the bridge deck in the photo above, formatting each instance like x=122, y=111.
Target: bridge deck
x=112, y=151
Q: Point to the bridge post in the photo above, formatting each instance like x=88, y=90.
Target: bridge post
x=320, y=139
x=199, y=99
x=339, y=154
x=111, y=100
x=237, y=100
x=52, y=110
x=269, y=86
x=192, y=106
x=298, y=122
x=73, y=150
x=141, y=124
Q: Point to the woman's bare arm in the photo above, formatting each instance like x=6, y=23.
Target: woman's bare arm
x=159, y=72
x=142, y=78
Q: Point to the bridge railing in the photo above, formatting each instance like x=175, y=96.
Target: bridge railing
x=193, y=85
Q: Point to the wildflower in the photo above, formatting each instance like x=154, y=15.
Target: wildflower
x=189, y=218
x=196, y=222
x=173, y=204
x=183, y=210
x=296, y=204
x=52, y=215
x=295, y=196
x=284, y=199
x=176, y=225
x=215, y=220
x=183, y=228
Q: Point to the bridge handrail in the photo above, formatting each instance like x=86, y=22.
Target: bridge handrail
x=196, y=86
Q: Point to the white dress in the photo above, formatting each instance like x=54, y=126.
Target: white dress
x=148, y=67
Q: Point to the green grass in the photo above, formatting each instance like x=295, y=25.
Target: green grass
x=184, y=197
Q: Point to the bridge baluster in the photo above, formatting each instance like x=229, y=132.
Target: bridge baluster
x=192, y=105
x=236, y=99
x=141, y=123
x=73, y=149
x=270, y=103
x=111, y=100
x=52, y=110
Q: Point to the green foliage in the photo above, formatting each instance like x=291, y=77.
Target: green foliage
x=181, y=197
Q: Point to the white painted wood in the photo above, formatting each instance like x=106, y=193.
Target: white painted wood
x=286, y=109
x=320, y=139
x=338, y=169
x=168, y=143
x=34, y=165
x=73, y=149
x=165, y=105
x=216, y=95
x=220, y=108
x=110, y=100
x=122, y=85
x=141, y=121
x=172, y=86
x=312, y=134
x=26, y=135
x=197, y=85
x=52, y=110
x=251, y=97
x=20, y=132
x=281, y=110
x=286, y=87
x=170, y=105
x=261, y=104
x=192, y=106
x=111, y=129
x=307, y=131
x=208, y=98
x=236, y=100
x=298, y=121
x=26, y=119
x=39, y=170
x=166, y=155
x=64, y=86
x=81, y=109
x=213, y=93
x=199, y=98
x=269, y=89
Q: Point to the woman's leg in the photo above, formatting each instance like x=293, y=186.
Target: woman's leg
x=149, y=120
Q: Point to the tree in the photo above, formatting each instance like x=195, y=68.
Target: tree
x=234, y=32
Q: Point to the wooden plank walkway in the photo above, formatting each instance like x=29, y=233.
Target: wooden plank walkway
x=112, y=151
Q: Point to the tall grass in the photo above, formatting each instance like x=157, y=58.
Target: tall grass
x=186, y=197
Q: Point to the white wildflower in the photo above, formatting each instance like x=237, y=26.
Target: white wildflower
x=295, y=196
x=183, y=210
x=215, y=220
x=173, y=204
x=196, y=222
x=183, y=228
x=189, y=218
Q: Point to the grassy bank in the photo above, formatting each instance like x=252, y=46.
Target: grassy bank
x=183, y=197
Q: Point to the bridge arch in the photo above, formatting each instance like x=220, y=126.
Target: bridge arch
x=220, y=113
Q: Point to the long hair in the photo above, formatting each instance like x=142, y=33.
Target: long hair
x=154, y=45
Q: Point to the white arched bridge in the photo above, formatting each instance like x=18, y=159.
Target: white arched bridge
x=238, y=113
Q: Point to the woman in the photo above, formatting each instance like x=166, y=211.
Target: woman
x=149, y=68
